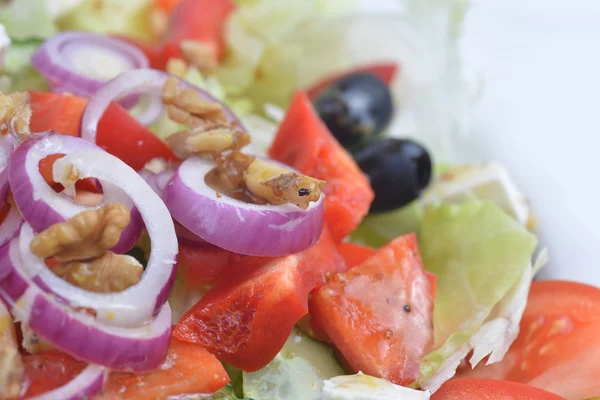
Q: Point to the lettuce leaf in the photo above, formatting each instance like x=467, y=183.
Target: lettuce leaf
x=27, y=19
x=18, y=74
x=482, y=259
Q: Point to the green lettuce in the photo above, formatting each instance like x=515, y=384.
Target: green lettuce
x=482, y=260
x=27, y=19
x=18, y=74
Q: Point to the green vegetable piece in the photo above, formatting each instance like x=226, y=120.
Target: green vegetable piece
x=26, y=19
x=296, y=373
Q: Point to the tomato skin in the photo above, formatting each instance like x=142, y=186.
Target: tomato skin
x=379, y=314
x=304, y=143
x=118, y=133
x=187, y=369
x=489, y=389
x=384, y=71
x=355, y=254
x=249, y=313
x=203, y=265
x=559, y=342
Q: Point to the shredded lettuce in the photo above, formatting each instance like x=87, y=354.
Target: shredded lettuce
x=482, y=259
x=123, y=17
x=27, y=19
x=18, y=74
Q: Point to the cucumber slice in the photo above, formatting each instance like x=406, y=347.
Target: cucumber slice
x=296, y=373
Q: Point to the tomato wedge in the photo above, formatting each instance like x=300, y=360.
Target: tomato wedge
x=384, y=71
x=477, y=389
x=558, y=347
x=119, y=133
x=200, y=266
x=304, y=143
x=187, y=369
x=379, y=314
x=249, y=313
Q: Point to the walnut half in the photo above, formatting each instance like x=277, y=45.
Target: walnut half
x=88, y=234
x=11, y=366
x=15, y=113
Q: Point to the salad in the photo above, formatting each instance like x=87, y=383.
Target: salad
x=194, y=208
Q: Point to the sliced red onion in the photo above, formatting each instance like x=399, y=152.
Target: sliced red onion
x=237, y=226
x=138, y=349
x=138, y=303
x=81, y=62
x=158, y=181
x=85, y=385
x=10, y=226
x=41, y=206
x=137, y=81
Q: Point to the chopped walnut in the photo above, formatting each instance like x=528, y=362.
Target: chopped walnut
x=201, y=55
x=177, y=67
x=231, y=168
x=88, y=234
x=279, y=185
x=189, y=103
x=11, y=366
x=15, y=113
x=199, y=141
x=105, y=274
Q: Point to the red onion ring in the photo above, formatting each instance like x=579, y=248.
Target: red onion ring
x=41, y=206
x=85, y=385
x=132, y=306
x=10, y=226
x=7, y=145
x=139, y=349
x=237, y=226
x=137, y=81
x=60, y=60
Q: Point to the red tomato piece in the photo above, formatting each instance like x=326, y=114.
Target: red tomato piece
x=249, y=313
x=187, y=369
x=558, y=347
x=385, y=71
x=489, y=389
x=166, y=6
x=119, y=133
x=198, y=266
x=45, y=167
x=304, y=143
x=355, y=254
x=59, y=112
x=379, y=314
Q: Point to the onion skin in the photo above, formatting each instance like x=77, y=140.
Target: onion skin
x=258, y=230
x=76, y=333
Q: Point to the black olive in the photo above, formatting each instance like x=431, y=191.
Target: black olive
x=356, y=108
x=399, y=169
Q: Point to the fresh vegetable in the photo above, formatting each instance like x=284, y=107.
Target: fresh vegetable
x=355, y=254
x=64, y=113
x=296, y=373
x=186, y=369
x=42, y=207
x=249, y=313
x=198, y=266
x=16, y=71
x=304, y=143
x=386, y=72
x=80, y=63
x=27, y=19
x=139, y=349
x=379, y=314
x=398, y=170
x=11, y=222
x=129, y=18
x=356, y=108
x=236, y=225
x=557, y=347
x=476, y=389
x=479, y=249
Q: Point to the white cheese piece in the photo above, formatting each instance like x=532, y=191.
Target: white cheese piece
x=365, y=387
x=486, y=181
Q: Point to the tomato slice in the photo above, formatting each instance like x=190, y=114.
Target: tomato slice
x=558, y=347
x=187, y=369
x=200, y=266
x=384, y=71
x=379, y=314
x=477, y=389
x=249, y=313
x=304, y=143
x=119, y=133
